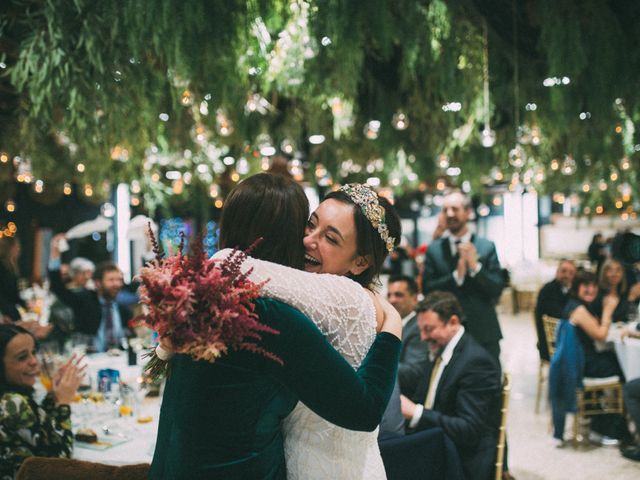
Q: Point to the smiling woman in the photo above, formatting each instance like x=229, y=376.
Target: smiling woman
x=26, y=428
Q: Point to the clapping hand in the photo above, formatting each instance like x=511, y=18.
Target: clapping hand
x=67, y=380
x=468, y=253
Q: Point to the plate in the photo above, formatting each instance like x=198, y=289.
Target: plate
x=105, y=442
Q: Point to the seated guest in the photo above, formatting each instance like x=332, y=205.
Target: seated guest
x=593, y=325
x=402, y=293
x=613, y=281
x=551, y=301
x=26, y=428
x=96, y=312
x=81, y=272
x=460, y=393
x=9, y=295
x=592, y=330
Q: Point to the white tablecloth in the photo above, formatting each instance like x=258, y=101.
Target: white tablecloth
x=140, y=437
x=628, y=353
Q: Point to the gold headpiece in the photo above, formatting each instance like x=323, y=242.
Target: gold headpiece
x=367, y=200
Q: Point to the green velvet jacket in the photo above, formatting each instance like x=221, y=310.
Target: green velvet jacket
x=222, y=420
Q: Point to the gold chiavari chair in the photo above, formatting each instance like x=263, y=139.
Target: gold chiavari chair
x=506, y=390
x=598, y=396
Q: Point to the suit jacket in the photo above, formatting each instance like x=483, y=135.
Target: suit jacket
x=414, y=357
x=478, y=295
x=87, y=310
x=467, y=406
x=551, y=301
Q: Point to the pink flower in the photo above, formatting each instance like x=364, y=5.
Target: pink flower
x=203, y=306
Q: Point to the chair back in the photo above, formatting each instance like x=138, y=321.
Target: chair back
x=502, y=433
x=550, y=326
x=41, y=468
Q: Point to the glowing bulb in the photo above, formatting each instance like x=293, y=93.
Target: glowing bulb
x=80, y=167
x=66, y=189
x=488, y=137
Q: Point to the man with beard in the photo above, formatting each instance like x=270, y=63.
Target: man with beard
x=96, y=312
x=460, y=392
x=551, y=301
x=466, y=265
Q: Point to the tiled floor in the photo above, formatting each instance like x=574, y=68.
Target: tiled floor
x=532, y=455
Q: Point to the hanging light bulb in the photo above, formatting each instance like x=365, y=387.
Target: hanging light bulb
x=517, y=157
x=443, y=161
x=625, y=163
x=287, y=146
x=569, y=166
x=488, y=137
x=484, y=210
x=372, y=129
x=536, y=136
x=187, y=98
x=66, y=189
x=602, y=185
x=223, y=125
x=400, y=121
x=555, y=164
x=614, y=176
x=10, y=206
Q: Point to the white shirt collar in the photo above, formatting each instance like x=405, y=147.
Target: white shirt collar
x=447, y=353
x=466, y=238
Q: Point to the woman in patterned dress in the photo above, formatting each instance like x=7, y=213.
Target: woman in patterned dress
x=26, y=427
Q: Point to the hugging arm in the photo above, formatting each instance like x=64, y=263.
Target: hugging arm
x=318, y=374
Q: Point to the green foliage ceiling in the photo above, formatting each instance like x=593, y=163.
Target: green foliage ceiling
x=131, y=89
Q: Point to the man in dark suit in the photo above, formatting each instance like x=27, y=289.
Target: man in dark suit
x=460, y=392
x=95, y=312
x=402, y=293
x=467, y=266
x=551, y=301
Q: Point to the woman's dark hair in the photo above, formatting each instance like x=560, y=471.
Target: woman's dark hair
x=368, y=241
x=7, y=332
x=268, y=206
x=582, y=277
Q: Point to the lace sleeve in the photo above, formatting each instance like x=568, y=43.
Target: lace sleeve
x=341, y=308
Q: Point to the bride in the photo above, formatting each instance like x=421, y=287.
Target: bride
x=349, y=234
x=345, y=313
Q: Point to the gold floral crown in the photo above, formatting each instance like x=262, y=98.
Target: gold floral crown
x=367, y=200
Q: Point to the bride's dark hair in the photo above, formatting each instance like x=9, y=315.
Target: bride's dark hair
x=268, y=206
x=369, y=243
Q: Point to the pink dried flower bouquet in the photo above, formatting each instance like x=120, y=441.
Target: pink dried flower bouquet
x=204, y=306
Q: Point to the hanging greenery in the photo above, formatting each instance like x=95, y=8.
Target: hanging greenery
x=131, y=90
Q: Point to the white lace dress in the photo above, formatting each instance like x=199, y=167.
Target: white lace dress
x=345, y=314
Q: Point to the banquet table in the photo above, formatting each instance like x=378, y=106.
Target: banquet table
x=627, y=351
x=133, y=442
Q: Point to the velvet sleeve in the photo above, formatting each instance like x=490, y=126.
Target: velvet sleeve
x=318, y=374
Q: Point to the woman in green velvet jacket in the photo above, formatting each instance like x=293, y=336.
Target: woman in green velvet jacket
x=222, y=420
